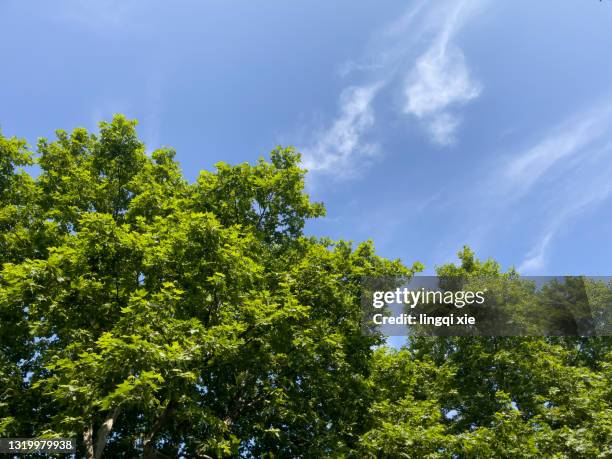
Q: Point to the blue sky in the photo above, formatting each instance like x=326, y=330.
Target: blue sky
x=426, y=125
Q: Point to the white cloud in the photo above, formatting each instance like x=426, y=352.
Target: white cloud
x=441, y=81
x=564, y=173
x=442, y=128
x=405, y=21
x=569, y=139
x=535, y=259
x=418, y=44
x=535, y=192
x=341, y=148
x=594, y=189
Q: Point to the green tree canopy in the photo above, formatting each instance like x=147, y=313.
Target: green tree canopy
x=146, y=315
x=483, y=397
x=149, y=316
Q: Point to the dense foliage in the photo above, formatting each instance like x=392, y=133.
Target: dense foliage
x=148, y=316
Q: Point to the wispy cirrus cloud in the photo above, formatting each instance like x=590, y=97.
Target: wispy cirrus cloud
x=535, y=260
x=531, y=195
x=343, y=142
x=583, y=187
x=572, y=137
x=440, y=82
x=442, y=128
x=418, y=50
x=564, y=173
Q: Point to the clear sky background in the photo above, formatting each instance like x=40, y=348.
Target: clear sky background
x=426, y=125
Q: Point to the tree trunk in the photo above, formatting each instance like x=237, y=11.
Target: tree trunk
x=88, y=441
x=103, y=432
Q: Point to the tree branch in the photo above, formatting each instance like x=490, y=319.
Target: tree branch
x=148, y=450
